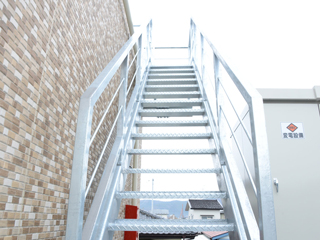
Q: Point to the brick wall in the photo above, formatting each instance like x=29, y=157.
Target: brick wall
x=50, y=53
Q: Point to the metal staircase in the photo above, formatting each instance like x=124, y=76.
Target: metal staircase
x=163, y=92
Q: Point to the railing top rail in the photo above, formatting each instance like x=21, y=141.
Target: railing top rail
x=94, y=91
x=247, y=91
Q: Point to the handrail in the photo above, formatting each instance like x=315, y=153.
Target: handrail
x=102, y=152
x=262, y=176
x=240, y=121
x=105, y=113
x=134, y=58
x=135, y=73
x=101, y=82
x=246, y=91
x=241, y=154
x=78, y=190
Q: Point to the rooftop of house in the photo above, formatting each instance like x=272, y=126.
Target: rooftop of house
x=213, y=234
x=163, y=235
x=145, y=214
x=178, y=236
x=161, y=211
x=200, y=204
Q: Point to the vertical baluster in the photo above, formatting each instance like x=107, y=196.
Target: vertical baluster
x=79, y=171
x=194, y=43
x=191, y=41
x=202, y=56
x=216, y=79
x=122, y=96
x=150, y=41
x=139, y=62
x=189, y=45
x=122, y=103
x=148, y=45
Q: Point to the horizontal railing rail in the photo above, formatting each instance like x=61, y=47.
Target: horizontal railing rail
x=78, y=186
x=260, y=177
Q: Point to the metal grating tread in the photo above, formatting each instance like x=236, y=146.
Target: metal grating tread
x=173, y=70
x=170, y=225
x=143, y=123
x=190, y=94
x=173, y=101
x=170, y=66
x=170, y=151
x=171, y=75
x=170, y=194
x=145, y=170
x=171, y=93
x=171, y=112
x=155, y=136
x=173, y=81
x=172, y=86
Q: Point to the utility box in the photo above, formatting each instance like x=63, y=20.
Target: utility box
x=293, y=129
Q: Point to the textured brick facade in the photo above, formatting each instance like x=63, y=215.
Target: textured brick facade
x=51, y=51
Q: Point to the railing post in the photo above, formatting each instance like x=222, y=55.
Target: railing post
x=217, y=85
x=202, y=56
x=139, y=62
x=190, y=40
x=194, y=43
x=266, y=217
x=123, y=96
x=79, y=171
x=150, y=41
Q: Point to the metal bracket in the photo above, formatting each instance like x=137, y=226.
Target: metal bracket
x=276, y=183
x=119, y=156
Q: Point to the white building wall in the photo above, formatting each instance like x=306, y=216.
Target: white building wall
x=196, y=214
x=163, y=215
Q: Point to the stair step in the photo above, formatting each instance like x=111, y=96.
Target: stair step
x=171, y=103
x=171, y=88
x=173, y=75
x=165, y=136
x=171, y=81
x=170, y=151
x=156, y=95
x=171, y=112
x=170, y=194
x=191, y=123
x=144, y=170
x=171, y=67
x=172, y=70
x=170, y=225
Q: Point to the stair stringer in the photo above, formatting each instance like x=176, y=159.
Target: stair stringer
x=230, y=179
x=102, y=206
x=105, y=207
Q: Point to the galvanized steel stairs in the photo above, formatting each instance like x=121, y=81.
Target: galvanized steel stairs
x=198, y=96
x=171, y=91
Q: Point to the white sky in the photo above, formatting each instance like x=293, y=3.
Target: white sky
x=273, y=44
